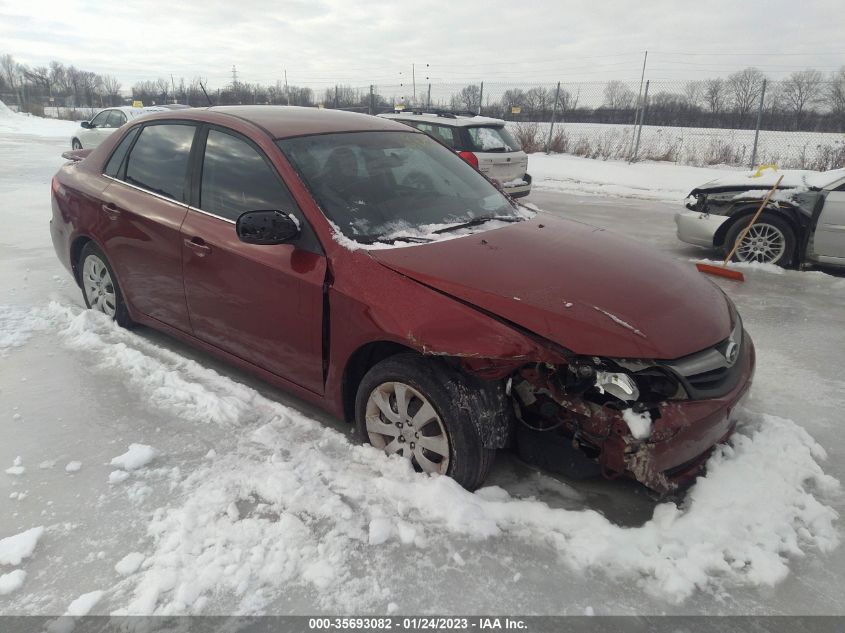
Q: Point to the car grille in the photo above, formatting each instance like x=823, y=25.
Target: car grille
x=713, y=372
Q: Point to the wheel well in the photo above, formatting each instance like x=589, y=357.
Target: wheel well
x=722, y=231
x=361, y=361
x=75, y=251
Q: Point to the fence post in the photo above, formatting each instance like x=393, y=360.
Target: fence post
x=552, y=123
x=757, y=129
x=372, y=100
x=642, y=118
x=480, y=97
x=429, y=96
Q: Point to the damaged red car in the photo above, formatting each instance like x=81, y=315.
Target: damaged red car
x=368, y=269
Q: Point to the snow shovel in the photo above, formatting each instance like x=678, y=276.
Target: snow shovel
x=723, y=270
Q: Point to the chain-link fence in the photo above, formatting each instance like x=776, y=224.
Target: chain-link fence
x=742, y=120
x=712, y=122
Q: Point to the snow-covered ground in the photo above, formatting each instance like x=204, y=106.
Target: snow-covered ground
x=146, y=477
x=701, y=146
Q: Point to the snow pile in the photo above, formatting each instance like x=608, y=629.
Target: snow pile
x=83, y=604
x=639, y=423
x=73, y=467
x=16, y=469
x=17, y=325
x=20, y=123
x=645, y=180
x=13, y=549
x=246, y=523
x=12, y=581
x=138, y=456
x=129, y=564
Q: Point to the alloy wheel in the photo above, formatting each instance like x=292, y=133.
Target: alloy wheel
x=400, y=420
x=764, y=243
x=98, y=286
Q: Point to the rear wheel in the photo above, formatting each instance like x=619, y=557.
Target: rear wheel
x=75, y=144
x=407, y=405
x=770, y=241
x=99, y=285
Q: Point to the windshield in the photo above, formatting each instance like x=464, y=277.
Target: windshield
x=385, y=185
x=492, y=139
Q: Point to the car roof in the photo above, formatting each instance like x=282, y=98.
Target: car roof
x=453, y=120
x=286, y=121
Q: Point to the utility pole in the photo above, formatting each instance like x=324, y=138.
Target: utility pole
x=234, y=77
x=639, y=100
x=552, y=122
x=480, y=96
x=287, y=90
x=414, y=82
x=173, y=87
x=640, y=128
x=759, y=120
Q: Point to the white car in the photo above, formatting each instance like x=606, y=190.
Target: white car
x=92, y=133
x=483, y=142
x=804, y=221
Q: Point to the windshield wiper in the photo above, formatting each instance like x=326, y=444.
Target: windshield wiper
x=372, y=239
x=480, y=220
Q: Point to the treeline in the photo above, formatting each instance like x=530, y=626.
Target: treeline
x=806, y=100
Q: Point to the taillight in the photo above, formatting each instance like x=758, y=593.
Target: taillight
x=55, y=186
x=469, y=157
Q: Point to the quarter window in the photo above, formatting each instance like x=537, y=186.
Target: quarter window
x=113, y=167
x=159, y=160
x=236, y=178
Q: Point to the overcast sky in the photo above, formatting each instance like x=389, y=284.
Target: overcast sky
x=321, y=42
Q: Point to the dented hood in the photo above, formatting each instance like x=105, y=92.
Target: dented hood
x=582, y=287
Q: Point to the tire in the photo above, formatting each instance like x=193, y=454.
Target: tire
x=771, y=241
x=100, y=289
x=75, y=144
x=446, y=427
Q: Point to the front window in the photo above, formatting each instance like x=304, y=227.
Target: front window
x=491, y=139
x=101, y=120
x=391, y=186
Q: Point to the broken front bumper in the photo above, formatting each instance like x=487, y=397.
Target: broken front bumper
x=682, y=438
x=698, y=228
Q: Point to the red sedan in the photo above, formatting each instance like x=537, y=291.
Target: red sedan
x=368, y=269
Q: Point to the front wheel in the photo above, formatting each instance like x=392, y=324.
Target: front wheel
x=99, y=285
x=407, y=405
x=770, y=241
x=75, y=144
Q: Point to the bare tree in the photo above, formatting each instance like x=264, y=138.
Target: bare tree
x=836, y=93
x=694, y=93
x=469, y=98
x=618, y=96
x=745, y=87
x=538, y=100
x=714, y=95
x=803, y=88
x=111, y=86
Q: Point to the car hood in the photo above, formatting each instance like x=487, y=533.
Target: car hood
x=792, y=179
x=580, y=286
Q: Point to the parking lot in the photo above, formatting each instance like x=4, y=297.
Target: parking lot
x=252, y=501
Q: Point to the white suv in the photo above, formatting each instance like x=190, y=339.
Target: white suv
x=483, y=142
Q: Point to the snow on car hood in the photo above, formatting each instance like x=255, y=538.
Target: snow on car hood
x=792, y=178
x=589, y=290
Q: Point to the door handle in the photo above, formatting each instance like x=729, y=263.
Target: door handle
x=198, y=245
x=111, y=210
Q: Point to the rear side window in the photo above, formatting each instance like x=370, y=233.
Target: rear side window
x=159, y=160
x=442, y=133
x=116, y=119
x=236, y=178
x=115, y=164
x=491, y=139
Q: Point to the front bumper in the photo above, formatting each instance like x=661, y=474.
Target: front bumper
x=682, y=438
x=695, y=227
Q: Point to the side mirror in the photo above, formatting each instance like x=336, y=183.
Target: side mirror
x=267, y=227
x=86, y=124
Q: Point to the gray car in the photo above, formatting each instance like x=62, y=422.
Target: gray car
x=803, y=223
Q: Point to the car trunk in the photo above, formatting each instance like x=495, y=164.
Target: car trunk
x=503, y=166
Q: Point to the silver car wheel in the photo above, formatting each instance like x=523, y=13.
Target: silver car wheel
x=400, y=420
x=98, y=286
x=76, y=144
x=764, y=243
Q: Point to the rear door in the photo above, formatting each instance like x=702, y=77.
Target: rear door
x=142, y=212
x=100, y=130
x=829, y=242
x=264, y=304
x=499, y=155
